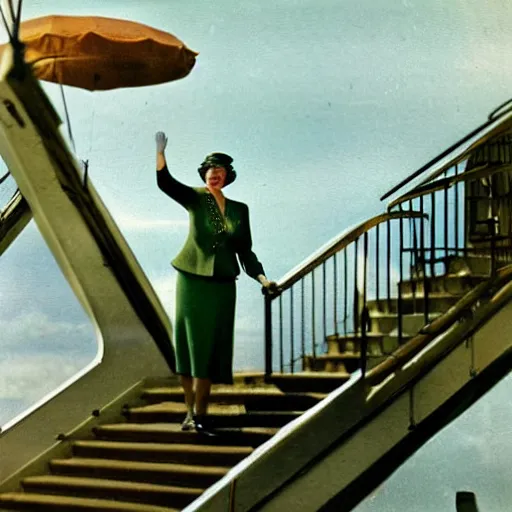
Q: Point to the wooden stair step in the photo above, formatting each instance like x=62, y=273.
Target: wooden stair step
x=262, y=419
x=411, y=322
x=355, y=335
x=37, y=502
x=337, y=357
x=152, y=472
x=228, y=416
x=172, y=433
x=269, y=398
x=333, y=363
x=162, y=452
x=370, y=335
x=138, y=492
x=376, y=346
x=414, y=303
x=384, y=314
x=174, y=412
x=432, y=295
x=460, y=282
x=180, y=408
x=324, y=382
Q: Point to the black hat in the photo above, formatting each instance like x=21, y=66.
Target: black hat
x=218, y=160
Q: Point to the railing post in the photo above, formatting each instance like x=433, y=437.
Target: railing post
x=493, y=227
x=433, y=254
x=446, y=228
x=292, y=337
x=365, y=316
x=456, y=208
x=268, y=338
x=426, y=283
x=303, y=327
x=399, y=303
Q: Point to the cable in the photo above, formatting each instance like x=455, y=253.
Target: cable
x=11, y=10
x=6, y=25
x=86, y=173
x=70, y=133
x=17, y=21
x=12, y=32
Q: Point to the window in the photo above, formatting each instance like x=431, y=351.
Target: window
x=45, y=336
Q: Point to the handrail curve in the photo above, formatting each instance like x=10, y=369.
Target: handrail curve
x=495, y=114
x=337, y=244
x=482, y=171
x=493, y=123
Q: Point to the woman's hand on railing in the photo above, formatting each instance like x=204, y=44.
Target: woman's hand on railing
x=268, y=287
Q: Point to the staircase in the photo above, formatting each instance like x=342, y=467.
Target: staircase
x=148, y=464
x=327, y=325
x=343, y=352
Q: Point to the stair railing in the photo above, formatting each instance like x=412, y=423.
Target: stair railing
x=331, y=289
x=469, y=206
x=395, y=264
x=462, y=309
x=494, y=121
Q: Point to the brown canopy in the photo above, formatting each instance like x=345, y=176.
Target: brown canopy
x=97, y=53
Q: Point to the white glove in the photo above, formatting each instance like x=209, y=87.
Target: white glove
x=161, y=142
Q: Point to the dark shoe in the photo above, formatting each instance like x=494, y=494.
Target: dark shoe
x=203, y=428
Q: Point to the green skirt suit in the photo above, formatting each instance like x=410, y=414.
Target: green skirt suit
x=207, y=269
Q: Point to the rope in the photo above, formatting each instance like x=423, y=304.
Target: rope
x=68, y=123
x=16, y=19
x=6, y=25
x=86, y=172
x=11, y=11
x=14, y=31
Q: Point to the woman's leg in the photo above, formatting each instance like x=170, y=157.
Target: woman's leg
x=187, y=383
x=203, y=387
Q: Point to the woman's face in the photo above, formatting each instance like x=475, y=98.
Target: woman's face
x=216, y=177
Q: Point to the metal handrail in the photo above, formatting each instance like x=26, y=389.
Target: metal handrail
x=493, y=119
x=336, y=245
x=476, y=173
x=441, y=324
x=425, y=251
x=357, y=310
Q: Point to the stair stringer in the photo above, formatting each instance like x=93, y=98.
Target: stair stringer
x=324, y=452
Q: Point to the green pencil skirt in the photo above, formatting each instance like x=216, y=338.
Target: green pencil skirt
x=204, y=326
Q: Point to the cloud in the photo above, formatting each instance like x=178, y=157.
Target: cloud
x=165, y=288
x=9, y=409
x=30, y=377
x=36, y=331
x=249, y=350
x=131, y=223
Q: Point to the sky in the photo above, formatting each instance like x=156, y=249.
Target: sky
x=323, y=104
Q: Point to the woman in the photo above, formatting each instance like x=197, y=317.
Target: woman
x=207, y=268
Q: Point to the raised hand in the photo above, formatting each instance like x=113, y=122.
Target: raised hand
x=161, y=142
